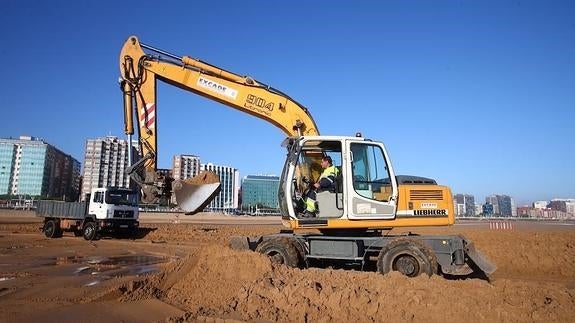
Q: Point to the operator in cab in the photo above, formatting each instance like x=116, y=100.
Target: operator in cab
x=326, y=182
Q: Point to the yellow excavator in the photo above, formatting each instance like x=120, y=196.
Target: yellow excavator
x=368, y=197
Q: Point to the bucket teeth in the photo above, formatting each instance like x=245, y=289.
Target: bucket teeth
x=194, y=194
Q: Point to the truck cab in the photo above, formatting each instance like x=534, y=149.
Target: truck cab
x=113, y=203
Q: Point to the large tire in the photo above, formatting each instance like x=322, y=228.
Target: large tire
x=90, y=231
x=52, y=229
x=281, y=251
x=408, y=256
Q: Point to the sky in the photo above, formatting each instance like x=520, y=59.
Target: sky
x=479, y=95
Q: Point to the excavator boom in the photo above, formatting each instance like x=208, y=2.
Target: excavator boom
x=141, y=66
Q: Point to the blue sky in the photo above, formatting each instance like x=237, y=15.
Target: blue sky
x=479, y=95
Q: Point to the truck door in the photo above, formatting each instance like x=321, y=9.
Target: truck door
x=373, y=190
x=96, y=206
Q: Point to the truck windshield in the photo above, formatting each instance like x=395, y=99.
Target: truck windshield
x=121, y=197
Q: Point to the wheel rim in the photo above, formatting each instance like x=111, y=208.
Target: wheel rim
x=88, y=231
x=49, y=229
x=276, y=257
x=407, y=265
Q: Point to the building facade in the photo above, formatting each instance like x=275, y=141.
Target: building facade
x=105, y=163
x=487, y=209
x=503, y=205
x=260, y=190
x=30, y=166
x=227, y=199
x=506, y=205
x=185, y=166
x=464, y=205
x=494, y=202
x=570, y=207
x=541, y=205
x=563, y=205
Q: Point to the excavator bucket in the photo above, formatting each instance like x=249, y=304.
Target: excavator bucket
x=194, y=194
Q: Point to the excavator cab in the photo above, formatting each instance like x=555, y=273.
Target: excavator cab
x=308, y=172
x=364, y=188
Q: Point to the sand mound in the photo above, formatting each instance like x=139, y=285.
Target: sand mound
x=221, y=283
x=214, y=276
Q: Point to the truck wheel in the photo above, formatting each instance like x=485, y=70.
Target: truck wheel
x=407, y=256
x=52, y=229
x=90, y=231
x=280, y=251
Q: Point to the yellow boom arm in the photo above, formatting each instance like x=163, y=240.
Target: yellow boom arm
x=141, y=69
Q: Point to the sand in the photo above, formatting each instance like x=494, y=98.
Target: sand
x=176, y=272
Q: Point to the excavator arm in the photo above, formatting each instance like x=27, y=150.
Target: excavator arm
x=142, y=65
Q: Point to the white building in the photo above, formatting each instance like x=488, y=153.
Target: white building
x=459, y=209
x=227, y=199
x=478, y=209
x=540, y=205
x=105, y=162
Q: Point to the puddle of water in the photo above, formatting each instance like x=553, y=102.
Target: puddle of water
x=121, y=272
x=92, y=283
x=145, y=270
x=126, y=260
x=68, y=260
x=98, y=268
x=132, y=260
x=5, y=291
x=105, y=268
x=82, y=270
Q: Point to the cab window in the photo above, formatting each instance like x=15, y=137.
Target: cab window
x=98, y=197
x=370, y=172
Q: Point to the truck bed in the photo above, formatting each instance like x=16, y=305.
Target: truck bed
x=59, y=209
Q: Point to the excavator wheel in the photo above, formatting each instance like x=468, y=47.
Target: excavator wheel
x=281, y=251
x=408, y=256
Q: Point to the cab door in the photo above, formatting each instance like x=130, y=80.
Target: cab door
x=372, y=189
x=97, y=206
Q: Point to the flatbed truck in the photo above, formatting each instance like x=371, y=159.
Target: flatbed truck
x=105, y=210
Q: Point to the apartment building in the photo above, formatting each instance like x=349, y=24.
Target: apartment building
x=105, y=163
x=185, y=166
x=30, y=166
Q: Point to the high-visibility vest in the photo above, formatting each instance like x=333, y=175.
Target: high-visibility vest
x=330, y=173
x=310, y=204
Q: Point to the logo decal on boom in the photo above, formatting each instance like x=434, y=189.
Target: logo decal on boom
x=217, y=87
